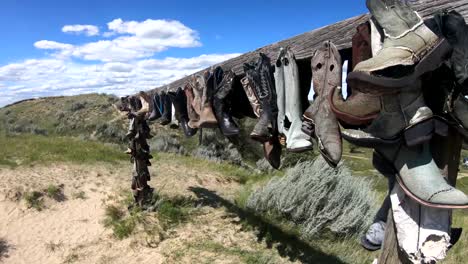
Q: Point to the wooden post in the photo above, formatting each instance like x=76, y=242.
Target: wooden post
x=390, y=247
x=446, y=153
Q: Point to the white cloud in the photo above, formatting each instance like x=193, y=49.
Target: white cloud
x=52, y=45
x=132, y=40
x=88, y=30
x=122, y=61
x=47, y=77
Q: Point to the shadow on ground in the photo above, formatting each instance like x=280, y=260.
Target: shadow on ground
x=287, y=245
x=4, y=249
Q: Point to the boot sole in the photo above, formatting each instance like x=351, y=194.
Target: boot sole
x=429, y=63
x=348, y=118
x=259, y=138
x=426, y=203
x=407, y=191
x=208, y=125
x=300, y=150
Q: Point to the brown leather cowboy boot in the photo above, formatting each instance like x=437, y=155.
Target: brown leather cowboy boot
x=205, y=86
x=194, y=118
x=359, y=108
x=326, y=76
x=247, y=85
x=260, y=74
x=272, y=147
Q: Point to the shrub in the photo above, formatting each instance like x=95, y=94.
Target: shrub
x=216, y=147
x=318, y=198
x=34, y=200
x=75, y=106
x=55, y=192
x=167, y=143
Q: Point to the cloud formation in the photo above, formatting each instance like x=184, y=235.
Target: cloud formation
x=38, y=78
x=133, y=40
x=121, y=62
x=88, y=30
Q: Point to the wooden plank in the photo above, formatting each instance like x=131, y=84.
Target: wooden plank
x=339, y=33
x=390, y=251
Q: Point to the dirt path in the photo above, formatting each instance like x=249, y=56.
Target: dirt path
x=71, y=231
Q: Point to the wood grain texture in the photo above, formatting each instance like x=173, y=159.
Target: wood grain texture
x=339, y=33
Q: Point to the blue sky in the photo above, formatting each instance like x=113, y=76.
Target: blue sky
x=71, y=47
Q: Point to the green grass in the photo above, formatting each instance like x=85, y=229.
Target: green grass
x=55, y=192
x=34, y=200
x=169, y=212
x=246, y=256
x=29, y=149
x=88, y=116
x=122, y=224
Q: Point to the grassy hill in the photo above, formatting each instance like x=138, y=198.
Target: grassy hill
x=89, y=116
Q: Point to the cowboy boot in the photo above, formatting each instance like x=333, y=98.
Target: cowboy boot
x=180, y=103
x=134, y=106
x=205, y=90
x=247, y=85
x=359, y=108
x=326, y=76
x=272, y=152
x=403, y=115
x=260, y=74
x=192, y=115
x=453, y=27
x=289, y=107
x=155, y=114
x=174, y=117
x=165, y=106
x=408, y=43
x=460, y=114
x=420, y=178
x=224, y=85
x=280, y=91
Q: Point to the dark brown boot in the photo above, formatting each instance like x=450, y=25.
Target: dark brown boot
x=260, y=74
x=272, y=152
x=359, y=108
x=224, y=82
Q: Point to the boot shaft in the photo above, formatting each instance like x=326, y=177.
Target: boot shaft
x=394, y=16
x=247, y=85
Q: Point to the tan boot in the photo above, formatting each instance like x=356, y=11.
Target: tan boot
x=207, y=117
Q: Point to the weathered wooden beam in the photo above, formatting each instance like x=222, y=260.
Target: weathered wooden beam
x=339, y=33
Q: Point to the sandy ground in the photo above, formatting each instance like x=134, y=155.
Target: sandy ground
x=71, y=231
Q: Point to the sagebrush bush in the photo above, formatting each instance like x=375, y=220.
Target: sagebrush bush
x=215, y=147
x=75, y=106
x=318, y=198
x=167, y=143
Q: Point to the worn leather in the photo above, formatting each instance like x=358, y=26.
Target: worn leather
x=359, y=108
x=192, y=114
x=272, y=152
x=179, y=101
x=418, y=172
x=399, y=112
x=288, y=93
x=460, y=112
x=247, y=85
x=221, y=104
x=326, y=76
x=167, y=109
x=453, y=27
x=155, y=114
x=407, y=39
x=202, y=104
x=260, y=75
